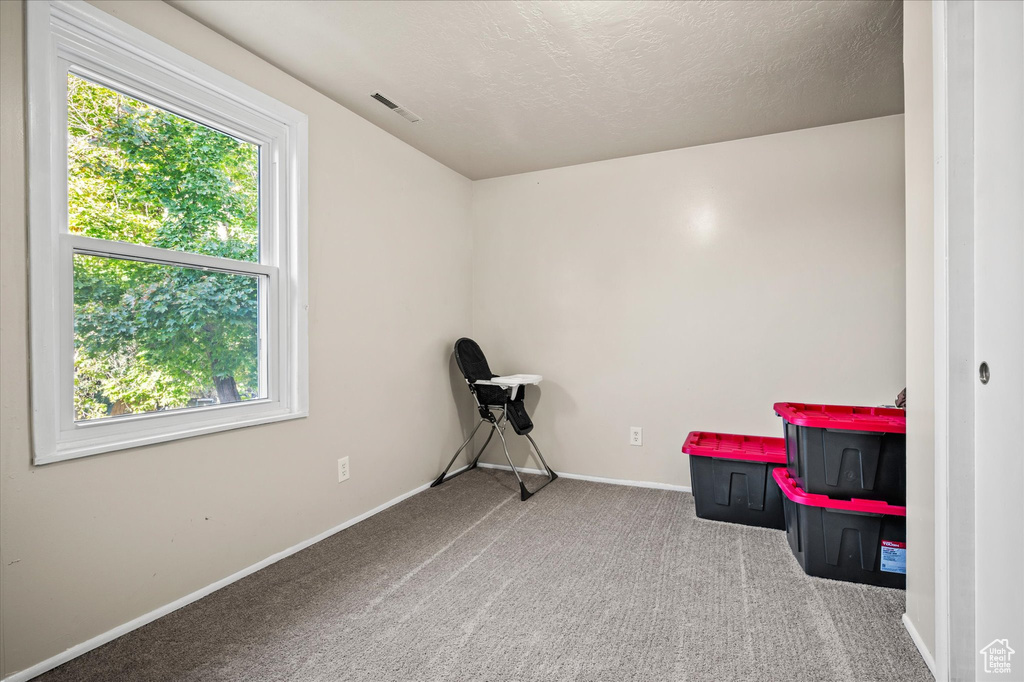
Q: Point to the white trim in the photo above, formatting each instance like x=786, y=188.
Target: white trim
x=940, y=668
x=235, y=419
x=110, y=635
x=594, y=479
x=70, y=35
x=929, y=660
x=953, y=72
x=104, y=248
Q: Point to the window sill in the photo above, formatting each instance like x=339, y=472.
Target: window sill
x=111, y=436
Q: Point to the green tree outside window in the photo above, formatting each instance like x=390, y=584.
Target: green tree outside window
x=152, y=336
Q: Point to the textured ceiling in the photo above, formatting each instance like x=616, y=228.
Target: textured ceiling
x=506, y=87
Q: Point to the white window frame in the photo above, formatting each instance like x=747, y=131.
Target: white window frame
x=73, y=36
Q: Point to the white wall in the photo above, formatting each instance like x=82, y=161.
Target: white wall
x=917, y=85
x=92, y=543
x=691, y=289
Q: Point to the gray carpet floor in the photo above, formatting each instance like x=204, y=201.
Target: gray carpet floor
x=584, y=581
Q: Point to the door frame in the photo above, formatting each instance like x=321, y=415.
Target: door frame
x=953, y=73
x=956, y=48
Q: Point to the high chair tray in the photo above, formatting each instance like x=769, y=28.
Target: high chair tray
x=512, y=380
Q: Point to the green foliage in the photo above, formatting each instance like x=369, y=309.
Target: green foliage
x=151, y=336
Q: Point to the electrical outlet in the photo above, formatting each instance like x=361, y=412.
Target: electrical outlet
x=342, y=469
x=636, y=435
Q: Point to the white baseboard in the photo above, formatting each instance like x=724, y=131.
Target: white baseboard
x=593, y=479
x=110, y=635
x=929, y=660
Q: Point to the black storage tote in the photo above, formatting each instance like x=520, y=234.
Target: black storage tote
x=863, y=541
x=732, y=478
x=847, y=452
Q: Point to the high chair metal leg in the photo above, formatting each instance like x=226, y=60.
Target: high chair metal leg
x=441, y=479
x=525, y=494
x=551, y=473
x=479, y=454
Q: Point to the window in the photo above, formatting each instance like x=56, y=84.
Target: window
x=167, y=241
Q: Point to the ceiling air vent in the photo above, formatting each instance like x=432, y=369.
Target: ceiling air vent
x=397, y=108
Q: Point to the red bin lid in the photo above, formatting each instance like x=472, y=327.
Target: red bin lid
x=845, y=417
x=729, y=446
x=794, y=492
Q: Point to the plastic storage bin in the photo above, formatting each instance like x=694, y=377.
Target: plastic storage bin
x=862, y=541
x=732, y=478
x=847, y=452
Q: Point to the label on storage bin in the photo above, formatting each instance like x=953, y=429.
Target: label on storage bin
x=894, y=557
